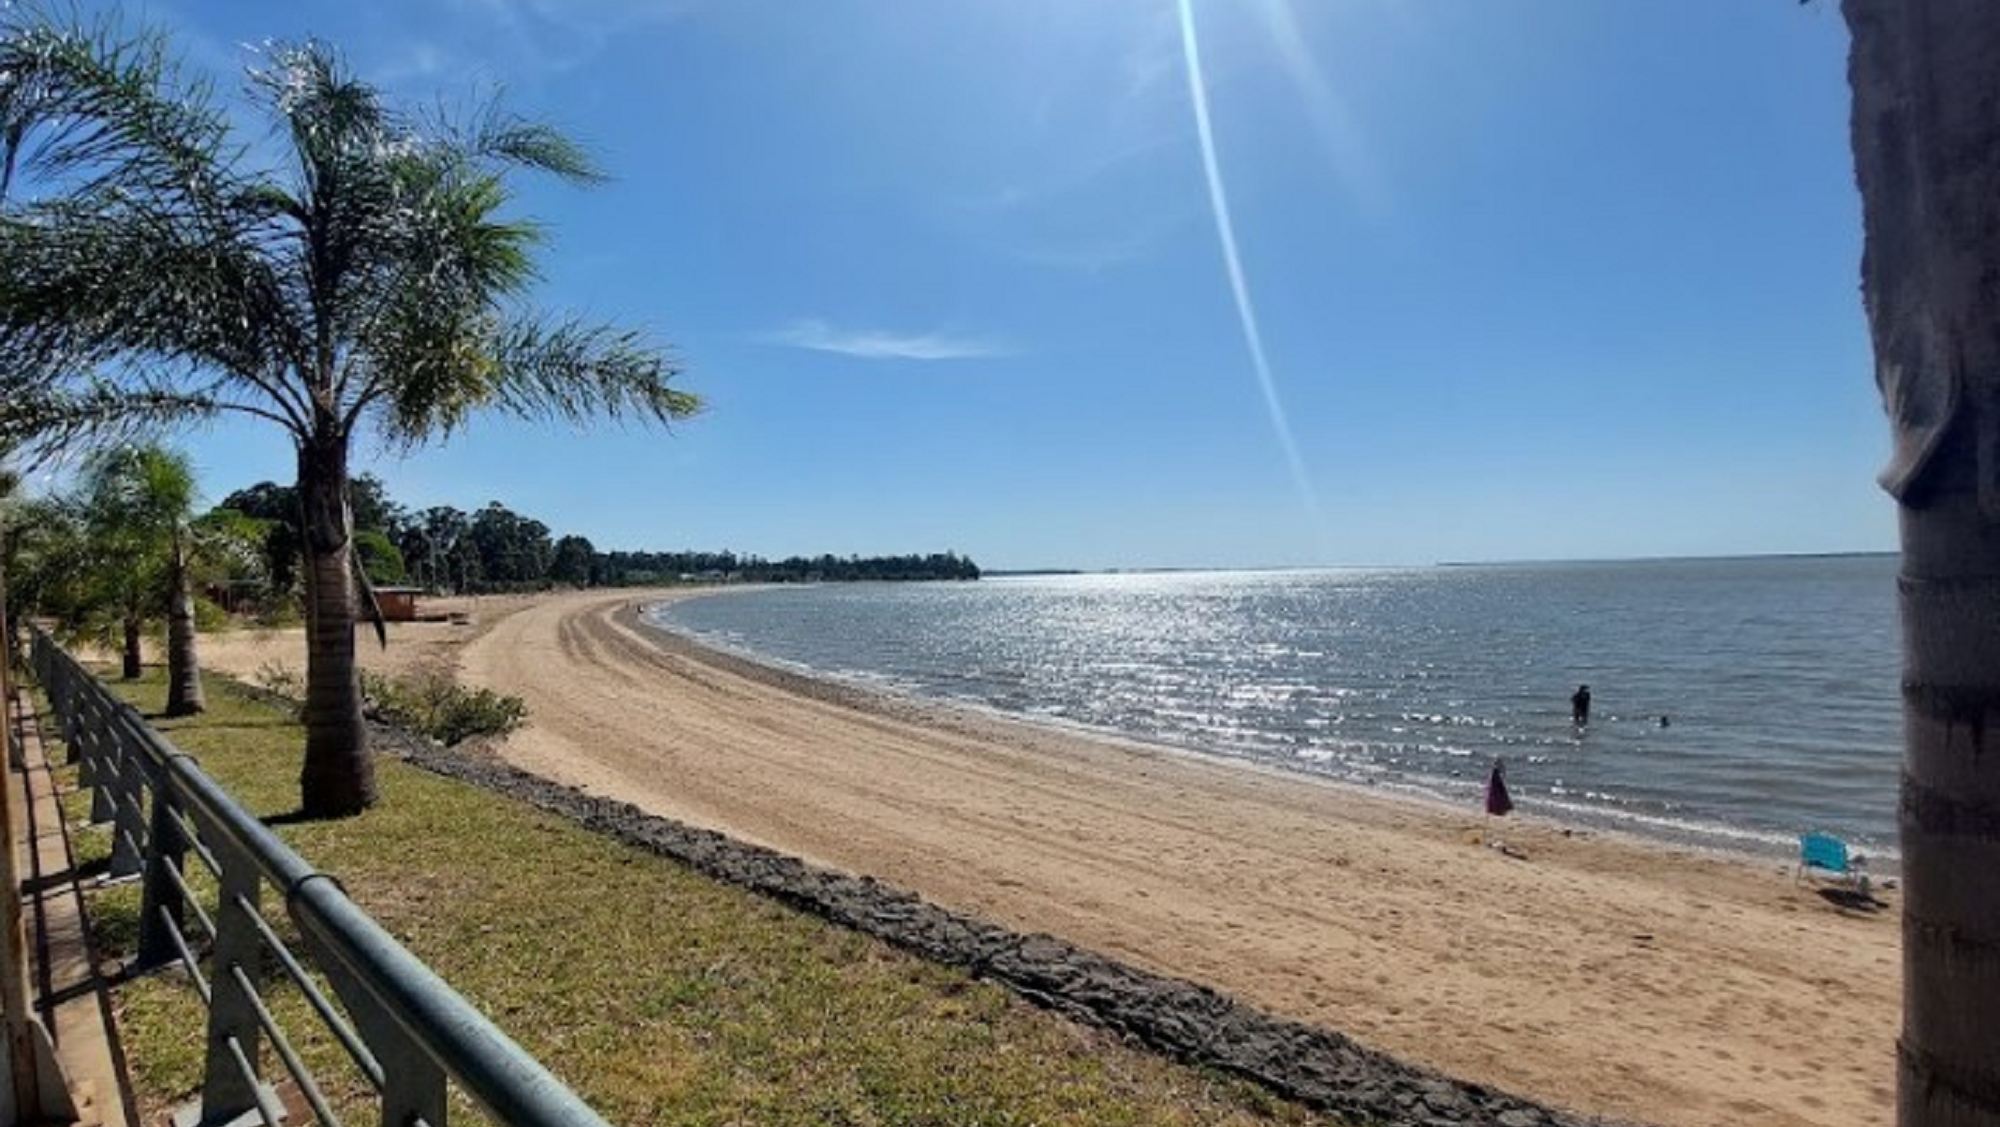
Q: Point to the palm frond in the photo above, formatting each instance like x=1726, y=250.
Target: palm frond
x=81, y=282
x=370, y=607
x=428, y=369
x=107, y=109
x=43, y=423
x=155, y=249
x=427, y=344
x=574, y=371
x=497, y=134
x=533, y=369
x=140, y=490
x=449, y=250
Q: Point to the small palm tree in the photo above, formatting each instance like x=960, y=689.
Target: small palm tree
x=44, y=558
x=137, y=503
x=371, y=280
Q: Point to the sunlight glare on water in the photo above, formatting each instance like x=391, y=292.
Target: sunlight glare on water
x=1778, y=676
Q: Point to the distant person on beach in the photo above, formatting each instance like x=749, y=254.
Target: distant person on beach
x=1579, y=705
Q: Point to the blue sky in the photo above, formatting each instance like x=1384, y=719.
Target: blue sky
x=1541, y=279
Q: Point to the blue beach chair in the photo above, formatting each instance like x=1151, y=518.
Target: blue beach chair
x=1825, y=857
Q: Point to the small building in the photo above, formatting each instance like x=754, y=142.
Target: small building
x=399, y=604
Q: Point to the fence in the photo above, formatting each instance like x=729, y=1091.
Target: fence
x=405, y=1029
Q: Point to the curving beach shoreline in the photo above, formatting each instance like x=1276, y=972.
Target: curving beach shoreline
x=1598, y=973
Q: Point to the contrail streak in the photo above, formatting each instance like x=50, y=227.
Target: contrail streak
x=1225, y=230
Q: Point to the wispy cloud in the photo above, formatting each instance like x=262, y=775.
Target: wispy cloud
x=1053, y=183
x=1085, y=255
x=419, y=61
x=1088, y=215
x=553, y=36
x=1345, y=140
x=1153, y=61
x=878, y=344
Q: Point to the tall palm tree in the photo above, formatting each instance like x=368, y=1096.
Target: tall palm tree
x=369, y=280
x=1926, y=134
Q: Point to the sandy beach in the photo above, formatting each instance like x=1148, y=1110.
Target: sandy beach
x=1593, y=972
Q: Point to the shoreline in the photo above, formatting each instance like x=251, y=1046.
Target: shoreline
x=1615, y=977
x=1716, y=840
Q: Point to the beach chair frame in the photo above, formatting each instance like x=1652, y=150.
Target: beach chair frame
x=1823, y=857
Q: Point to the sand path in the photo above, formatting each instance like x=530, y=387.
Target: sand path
x=1597, y=974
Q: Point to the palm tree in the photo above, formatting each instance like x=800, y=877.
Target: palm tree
x=44, y=557
x=370, y=281
x=121, y=573
x=137, y=507
x=1926, y=134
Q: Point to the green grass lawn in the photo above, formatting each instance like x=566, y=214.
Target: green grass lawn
x=661, y=996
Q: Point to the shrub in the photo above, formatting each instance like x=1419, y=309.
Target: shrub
x=209, y=617
x=430, y=703
x=277, y=612
x=282, y=683
x=279, y=679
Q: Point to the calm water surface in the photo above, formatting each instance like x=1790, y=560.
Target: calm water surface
x=1778, y=676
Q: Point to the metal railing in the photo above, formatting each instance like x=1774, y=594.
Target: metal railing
x=406, y=1030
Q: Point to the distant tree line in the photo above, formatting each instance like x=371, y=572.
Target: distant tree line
x=495, y=549
x=628, y=569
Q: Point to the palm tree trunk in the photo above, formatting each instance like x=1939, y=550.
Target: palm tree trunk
x=133, y=626
x=339, y=776
x=184, y=694
x=1926, y=132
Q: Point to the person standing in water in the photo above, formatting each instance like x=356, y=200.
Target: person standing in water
x=1579, y=705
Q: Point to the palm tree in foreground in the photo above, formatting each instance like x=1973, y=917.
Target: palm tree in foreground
x=1926, y=131
x=367, y=281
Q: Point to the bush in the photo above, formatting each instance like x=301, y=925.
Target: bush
x=430, y=703
x=278, y=612
x=279, y=679
x=284, y=683
x=209, y=617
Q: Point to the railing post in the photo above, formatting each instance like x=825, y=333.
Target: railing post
x=412, y=1083
x=60, y=681
x=225, y=1092
x=127, y=784
x=38, y=660
x=71, y=703
x=162, y=905
x=95, y=750
x=413, y=1088
x=84, y=730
